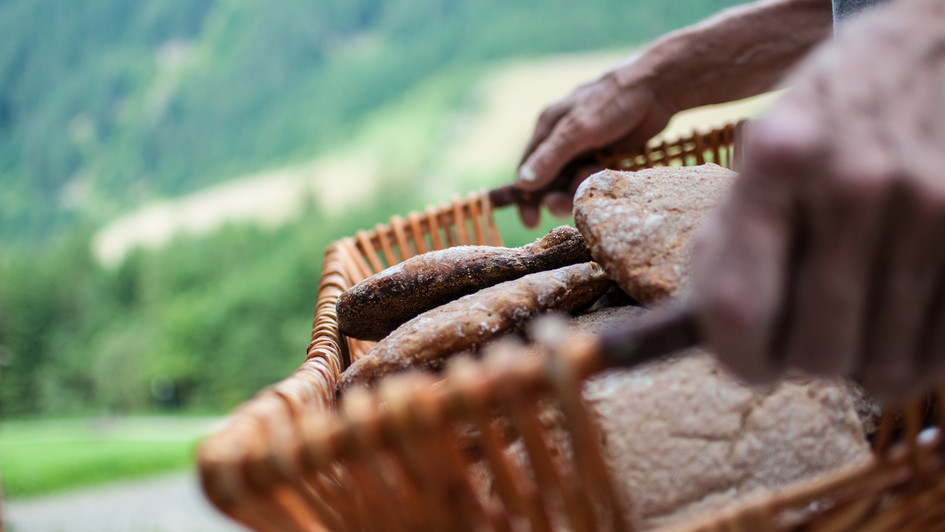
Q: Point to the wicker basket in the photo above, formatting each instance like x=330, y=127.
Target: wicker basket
x=296, y=458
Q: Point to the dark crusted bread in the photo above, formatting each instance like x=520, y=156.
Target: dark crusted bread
x=640, y=225
x=472, y=320
x=373, y=308
x=682, y=437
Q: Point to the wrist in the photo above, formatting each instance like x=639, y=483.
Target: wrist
x=740, y=52
x=655, y=68
x=670, y=62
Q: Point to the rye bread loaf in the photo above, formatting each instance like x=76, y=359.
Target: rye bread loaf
x=640, y=225
x=373, y=308
x=470, y=321
x=681, y=436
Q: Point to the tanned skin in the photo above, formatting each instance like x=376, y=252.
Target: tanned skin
x=738, y=53
x=829, y=253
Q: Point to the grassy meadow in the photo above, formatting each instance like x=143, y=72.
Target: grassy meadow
x=46, y=456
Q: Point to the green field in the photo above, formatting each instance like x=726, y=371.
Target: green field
x=39, y=457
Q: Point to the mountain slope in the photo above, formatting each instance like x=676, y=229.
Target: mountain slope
x=106, y=103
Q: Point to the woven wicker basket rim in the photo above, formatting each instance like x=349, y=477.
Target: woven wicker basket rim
x=250, y=468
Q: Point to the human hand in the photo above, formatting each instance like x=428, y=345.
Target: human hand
x=739, y=52
x=829, y=254
x=620, y=112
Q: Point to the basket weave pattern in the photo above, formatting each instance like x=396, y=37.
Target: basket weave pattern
x=404, y=457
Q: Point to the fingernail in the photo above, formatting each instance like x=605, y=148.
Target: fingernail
x=525, y=173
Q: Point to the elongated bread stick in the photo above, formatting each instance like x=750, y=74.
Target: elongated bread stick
x=470, y=321
x=373, y=308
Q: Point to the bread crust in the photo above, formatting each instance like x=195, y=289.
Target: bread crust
x=682, y=437
x=472, y=320
x=639, y=225
x=376, y=306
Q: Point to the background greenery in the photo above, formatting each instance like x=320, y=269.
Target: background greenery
x=107, y=104
x=41, y=456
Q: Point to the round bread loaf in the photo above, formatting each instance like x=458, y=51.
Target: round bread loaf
x=472, y=320
x=681, y=436
x=373, y=308
x=639, y=225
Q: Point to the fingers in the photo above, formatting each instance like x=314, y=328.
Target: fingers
x=602, y=113
x=546, y=122
x=567, y=140
x=902, y=351
x=560, y=204
x=739, y=273
x=823, y=322
x=622, y=125
x=930, y=362
x=653, y=122
x=530, y=215
x=745, y=255
x=863, y=292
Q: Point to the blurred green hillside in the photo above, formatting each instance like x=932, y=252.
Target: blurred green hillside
x=108, y=104
x=105, y=103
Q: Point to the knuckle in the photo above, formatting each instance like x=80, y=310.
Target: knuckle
x=610, y=79
x=770, y=144
x=862, y=181
x=576, y=125
x=551, y=113
x=571, y=133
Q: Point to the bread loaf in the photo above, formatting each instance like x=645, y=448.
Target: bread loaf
x=376, y=306
x=639, y=225
x=682, y=436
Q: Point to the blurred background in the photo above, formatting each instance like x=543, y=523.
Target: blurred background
x=171, y=172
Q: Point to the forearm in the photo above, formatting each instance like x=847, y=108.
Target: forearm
x=737, y=53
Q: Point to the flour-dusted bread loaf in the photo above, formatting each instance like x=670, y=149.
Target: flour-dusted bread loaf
x=682, y=436
x=472, y=320
x=373, y=308
x=640, y=225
